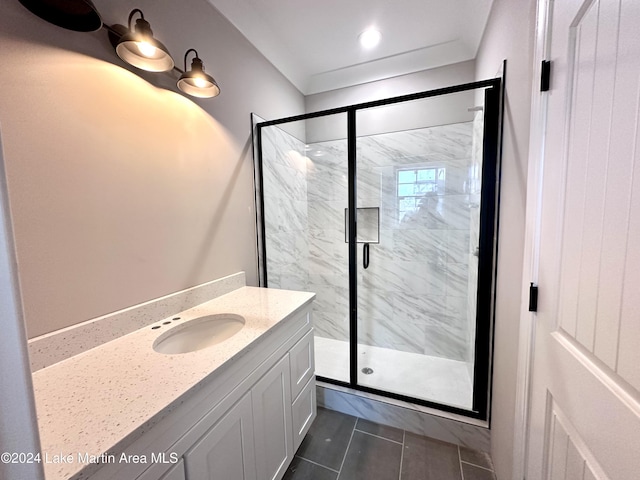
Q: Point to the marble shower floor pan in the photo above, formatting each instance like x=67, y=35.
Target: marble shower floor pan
x=430, y=378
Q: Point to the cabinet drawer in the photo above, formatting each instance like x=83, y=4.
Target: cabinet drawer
x=304, y=412
x=302, y=363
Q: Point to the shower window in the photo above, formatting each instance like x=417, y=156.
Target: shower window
x=415, y=184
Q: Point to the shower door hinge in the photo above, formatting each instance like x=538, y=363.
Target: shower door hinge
x=533, y=297
x=545, y=76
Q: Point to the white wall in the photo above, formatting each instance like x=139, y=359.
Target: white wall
x=419, y=114
x=121, y=191
x=462, y=72
x=509, y=35
x=18, y=428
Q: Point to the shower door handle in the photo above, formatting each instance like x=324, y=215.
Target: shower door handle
x=365, y=256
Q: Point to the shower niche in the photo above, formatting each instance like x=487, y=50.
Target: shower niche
x=387, y=210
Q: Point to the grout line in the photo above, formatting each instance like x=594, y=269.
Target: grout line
x=316, y=463
x=381, y=438
x=474, y=465
x=460, y=463
x=402, y=455
x=347, y=450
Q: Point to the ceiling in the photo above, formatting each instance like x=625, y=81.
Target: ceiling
x=314, y=43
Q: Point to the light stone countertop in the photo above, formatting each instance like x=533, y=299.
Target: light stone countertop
x=103, y=399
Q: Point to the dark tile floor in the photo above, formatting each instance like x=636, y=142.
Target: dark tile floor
x=342, y=447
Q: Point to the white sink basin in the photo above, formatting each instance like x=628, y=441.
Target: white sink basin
x=199, y=333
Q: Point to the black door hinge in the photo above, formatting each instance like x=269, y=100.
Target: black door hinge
x=545, y=76
x=533, y=298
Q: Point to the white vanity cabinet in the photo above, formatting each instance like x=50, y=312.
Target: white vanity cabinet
x=254, y=439
x=274, y=422
x=244, y=425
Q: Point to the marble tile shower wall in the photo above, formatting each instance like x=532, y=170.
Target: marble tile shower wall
x=474, y=225
x=415, y=294
x=418, y=292
x=327, y=193
x=285, y=204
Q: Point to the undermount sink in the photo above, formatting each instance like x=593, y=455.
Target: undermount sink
x=199, y=333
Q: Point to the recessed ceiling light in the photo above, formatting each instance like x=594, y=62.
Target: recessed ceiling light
x=370, y=38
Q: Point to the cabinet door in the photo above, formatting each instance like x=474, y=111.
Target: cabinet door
x=301, y=358
x=226, y=451
x=173, y=473
x=271, y=398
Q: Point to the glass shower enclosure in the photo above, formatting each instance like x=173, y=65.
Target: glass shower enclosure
x=387, y=210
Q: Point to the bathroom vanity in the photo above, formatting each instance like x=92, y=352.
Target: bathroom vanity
x=237, y=409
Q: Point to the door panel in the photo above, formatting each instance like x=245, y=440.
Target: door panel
x=585, y=415
x=304, y=192
x=570, y=458
x=419, y=168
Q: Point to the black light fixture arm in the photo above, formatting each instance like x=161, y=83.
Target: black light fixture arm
x=113, y=30
x=142, y=26
x=133, y=12
x=186, y=54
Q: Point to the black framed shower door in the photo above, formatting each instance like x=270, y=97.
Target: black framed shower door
x=415, y=225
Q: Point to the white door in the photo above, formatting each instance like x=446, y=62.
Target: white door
x=585, y=391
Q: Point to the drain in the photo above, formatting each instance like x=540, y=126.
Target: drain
x=367, y=370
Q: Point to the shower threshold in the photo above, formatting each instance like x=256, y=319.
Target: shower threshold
x=425, y=377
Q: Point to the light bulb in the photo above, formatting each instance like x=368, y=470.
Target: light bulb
x=146, y=49
x=200, y=82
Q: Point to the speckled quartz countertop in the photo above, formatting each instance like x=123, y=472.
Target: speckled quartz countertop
x=95, y=401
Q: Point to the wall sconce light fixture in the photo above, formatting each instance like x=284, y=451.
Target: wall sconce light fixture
x=195, y=82
x=137, y=47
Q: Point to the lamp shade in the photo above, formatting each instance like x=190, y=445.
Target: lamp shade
x=77, y=15
x=137, y=47
x=196, y=82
